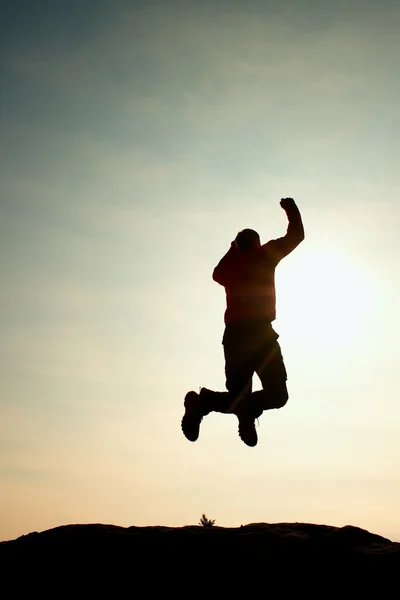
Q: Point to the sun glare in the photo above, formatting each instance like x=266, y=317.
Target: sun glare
x=325, y=298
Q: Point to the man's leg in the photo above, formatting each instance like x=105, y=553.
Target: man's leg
x=273, y=376
x=239, y=380
x=239, y=371
x=198, y=405
x=239, y=365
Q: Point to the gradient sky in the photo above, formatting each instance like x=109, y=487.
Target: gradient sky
x=137, y=138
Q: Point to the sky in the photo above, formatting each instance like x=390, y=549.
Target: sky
x=137, y=139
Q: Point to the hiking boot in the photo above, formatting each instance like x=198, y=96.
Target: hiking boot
x=193, y=416
x=247, y=414
x=247, y=428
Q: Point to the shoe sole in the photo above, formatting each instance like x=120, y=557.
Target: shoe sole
x=249, y=441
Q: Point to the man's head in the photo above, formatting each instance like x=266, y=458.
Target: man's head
x=247, y=239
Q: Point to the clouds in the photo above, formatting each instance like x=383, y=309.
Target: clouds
x=160, y=92
x=171, y=56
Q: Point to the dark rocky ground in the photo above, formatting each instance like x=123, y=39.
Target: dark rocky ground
x=257, y=558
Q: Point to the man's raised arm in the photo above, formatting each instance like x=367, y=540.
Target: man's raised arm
x=295, y=231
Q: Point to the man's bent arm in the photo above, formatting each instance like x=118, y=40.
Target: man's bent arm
x=225, y=265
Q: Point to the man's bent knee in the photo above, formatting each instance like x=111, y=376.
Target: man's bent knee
x=278, y=400
x=268, y=399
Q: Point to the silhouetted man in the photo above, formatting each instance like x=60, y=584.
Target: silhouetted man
x=247, y=272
